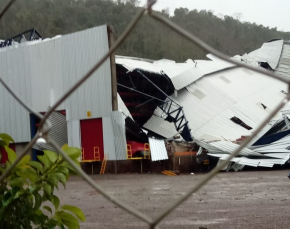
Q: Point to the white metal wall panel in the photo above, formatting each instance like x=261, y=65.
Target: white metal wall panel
x=109, y=139
x=74, y=133
x=157, y=149
x=118, y=122
x=114, y=136
x=42, y=71
x=15, y=119
x=83, y=49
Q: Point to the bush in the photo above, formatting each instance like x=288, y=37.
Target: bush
x=25, y=193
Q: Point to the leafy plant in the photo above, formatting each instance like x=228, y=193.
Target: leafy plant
x=5, y=139
x=25, y=194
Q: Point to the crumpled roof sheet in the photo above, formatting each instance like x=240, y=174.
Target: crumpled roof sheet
x=229, y=147
x=157, y=149
x=270, y=52
x=251, y=162
x=159, y=126
x=123, y=108
x=212, y=101
x=283, y=69
x=276, y=147
x=181, y=74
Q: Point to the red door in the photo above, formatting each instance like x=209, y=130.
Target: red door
x=91, y=137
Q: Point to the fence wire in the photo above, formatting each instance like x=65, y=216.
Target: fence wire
x=41, y=133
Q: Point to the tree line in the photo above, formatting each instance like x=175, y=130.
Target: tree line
x=150, y=39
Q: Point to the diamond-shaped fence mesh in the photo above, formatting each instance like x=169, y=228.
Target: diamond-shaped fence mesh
x=43, y=133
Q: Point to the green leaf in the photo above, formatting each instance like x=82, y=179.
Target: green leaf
x=72, y=152
x=60, y=177
x=47, y=188
x=48, y=209
x=78, y=212
x=32, y=187
x=46, y=161
x=36, y=165
x=38, y=218
x=24, y=160
x=18, y=182
x=7, y=138
x=53, y=180
x=8, y=164
x=27, y=172
x=3, y=143
x=37, y=200
x=6, y=199
x=62, y=169
x=69, y=167
x=53, y=223
x=15, y=192
x=38, y=212
x=11, y=154
x=51, y=155
x=69, y=224
x=55, y=201
x=66, y=217
x=1, y=169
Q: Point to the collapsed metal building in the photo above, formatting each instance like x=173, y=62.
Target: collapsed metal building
x=207, y=102
x=212, y=103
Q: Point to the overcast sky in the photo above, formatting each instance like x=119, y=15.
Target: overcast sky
x=272, y=13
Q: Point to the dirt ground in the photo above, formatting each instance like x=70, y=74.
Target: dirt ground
x=231, y=200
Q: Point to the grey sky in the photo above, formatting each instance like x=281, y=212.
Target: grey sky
x=272, y=13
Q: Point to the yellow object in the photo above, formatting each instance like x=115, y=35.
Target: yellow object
x=129, y=151
x=147, y=151
x=104, y=163
x=97, y=154
x=83, y=154
x=96, y=157
x=168, y=173
x=89, y=114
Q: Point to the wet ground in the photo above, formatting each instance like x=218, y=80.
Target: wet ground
x=231, y=200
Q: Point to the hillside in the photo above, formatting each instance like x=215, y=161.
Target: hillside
x=150, y=39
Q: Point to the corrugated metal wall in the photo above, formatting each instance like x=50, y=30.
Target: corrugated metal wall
x=58, y=132
x=14, y=120
x=108, y=134
x=114, y=136
x=157, y=149
x=40, y=72
x=118, y=123
x=83, y=50
x=74, y=133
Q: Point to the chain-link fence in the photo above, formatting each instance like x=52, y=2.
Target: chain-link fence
x=43, y=133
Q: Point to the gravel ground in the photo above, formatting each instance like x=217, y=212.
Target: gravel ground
x=231, y=200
